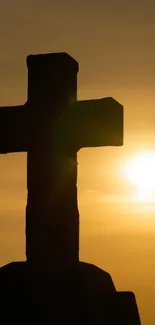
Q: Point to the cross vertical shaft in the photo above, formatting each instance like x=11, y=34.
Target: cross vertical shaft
x=52, y=218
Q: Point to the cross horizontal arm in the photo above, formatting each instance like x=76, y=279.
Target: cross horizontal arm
x=100, y=123
x=12, y=129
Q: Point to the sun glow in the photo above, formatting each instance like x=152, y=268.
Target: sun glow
x=145, y=195
x=140, y=171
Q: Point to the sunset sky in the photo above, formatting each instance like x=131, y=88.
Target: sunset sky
x=113, y=41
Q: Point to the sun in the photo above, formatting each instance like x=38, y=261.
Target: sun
x=140, y=171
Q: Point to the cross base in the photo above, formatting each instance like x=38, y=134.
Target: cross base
x=81, y=293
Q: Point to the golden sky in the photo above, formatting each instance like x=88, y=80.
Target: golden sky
x=114, y=45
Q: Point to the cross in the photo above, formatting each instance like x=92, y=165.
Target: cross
x=51, y=127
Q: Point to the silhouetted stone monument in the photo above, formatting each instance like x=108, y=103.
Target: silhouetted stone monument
x=51, y=127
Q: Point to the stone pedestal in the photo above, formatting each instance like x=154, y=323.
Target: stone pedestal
x=83, y=293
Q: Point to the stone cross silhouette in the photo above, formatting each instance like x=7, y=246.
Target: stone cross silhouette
x=51, y=127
